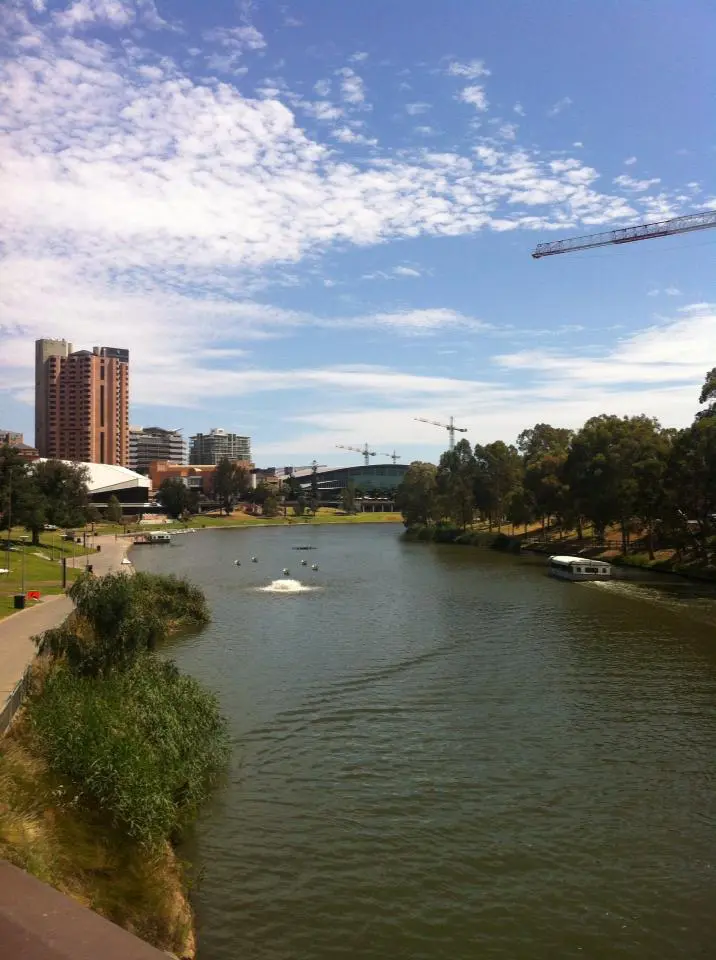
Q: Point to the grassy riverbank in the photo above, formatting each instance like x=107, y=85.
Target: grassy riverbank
x=664, y=560
x=240, y=519
x=112, y=756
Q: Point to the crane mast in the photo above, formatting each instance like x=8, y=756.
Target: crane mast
x=644, y=231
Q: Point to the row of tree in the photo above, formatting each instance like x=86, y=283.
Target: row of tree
x=628, y=472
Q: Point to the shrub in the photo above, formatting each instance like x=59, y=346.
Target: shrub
x=118, y=617
x=142, y=746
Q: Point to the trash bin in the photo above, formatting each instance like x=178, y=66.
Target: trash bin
x=99, y=547
x=19, y=601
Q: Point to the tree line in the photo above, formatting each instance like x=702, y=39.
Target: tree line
x=625, y=472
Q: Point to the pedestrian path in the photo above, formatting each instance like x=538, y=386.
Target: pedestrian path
x=16, y=631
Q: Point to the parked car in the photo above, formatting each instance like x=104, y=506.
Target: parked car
x=50, y=526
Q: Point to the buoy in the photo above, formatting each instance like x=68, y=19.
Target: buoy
x=254, y=559
x=237, y=563
x=304, y=563
x=286, y=571
x=314, y=566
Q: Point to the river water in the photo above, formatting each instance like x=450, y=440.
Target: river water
x=440, y=752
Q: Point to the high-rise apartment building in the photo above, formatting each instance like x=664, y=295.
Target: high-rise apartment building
x=217, y=444
x=147, y=444
x=82, y=403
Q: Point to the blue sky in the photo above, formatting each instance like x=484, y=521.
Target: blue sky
x=312, y=222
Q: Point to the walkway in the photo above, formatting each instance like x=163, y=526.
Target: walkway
x=38, y=923
x=16, y=631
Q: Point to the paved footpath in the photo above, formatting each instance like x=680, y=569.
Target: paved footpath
x=16, y=631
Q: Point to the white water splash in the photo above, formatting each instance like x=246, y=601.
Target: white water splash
x=286, y=586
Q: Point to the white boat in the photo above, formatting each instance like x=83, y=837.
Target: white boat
x=579, y=568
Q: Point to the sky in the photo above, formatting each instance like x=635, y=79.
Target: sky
x=311, y=222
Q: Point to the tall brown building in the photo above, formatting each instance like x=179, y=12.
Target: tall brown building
x=82, y=403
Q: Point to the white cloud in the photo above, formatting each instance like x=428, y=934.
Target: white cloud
x=471, y=70
x=474, y=95
x=638, y=186
x=559, y=106
x=424, y=131
x=630, y=161
x=519, y=109
x=358, y=57
x=82, y=13
x=578, y=144
x=347, y=135
x=406, y=272
x=322, y=87
x=352, y=86
x=248, y=38
x=414, y=109
x=667, y=291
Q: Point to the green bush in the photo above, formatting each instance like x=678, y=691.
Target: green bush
x=117, y=618
x=142, y=746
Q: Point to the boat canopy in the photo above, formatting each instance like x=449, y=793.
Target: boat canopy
x=566, y=561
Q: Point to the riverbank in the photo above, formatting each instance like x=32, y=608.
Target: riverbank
x=111, y=758
x=664, y=561
x=326, y=515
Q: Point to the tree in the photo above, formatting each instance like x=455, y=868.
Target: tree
x=348, y=497
x=173, y=496
x=497, y=475
x=52, y=491
x=541, y=439
x=708, y=395
x=260, y=494
x=231, y=482
x=114, y=510
x=270, y=506
x=416, y=496
x=13, y=480
x=455, y=481
x=299, y=507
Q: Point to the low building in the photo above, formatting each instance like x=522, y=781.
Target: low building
x=218, y=444
x=147, y=444
x=14, y=439
x=195, y=476
x=381, y=479
x=105, y=480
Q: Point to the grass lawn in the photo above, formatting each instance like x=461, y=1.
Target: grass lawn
x=41, y=571
x=241, y=519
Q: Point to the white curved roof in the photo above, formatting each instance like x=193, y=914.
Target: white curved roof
x=106, y=477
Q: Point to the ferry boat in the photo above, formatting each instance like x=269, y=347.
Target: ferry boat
x=154, y=536
x=579, y=568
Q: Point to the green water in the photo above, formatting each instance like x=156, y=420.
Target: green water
x=442, y=753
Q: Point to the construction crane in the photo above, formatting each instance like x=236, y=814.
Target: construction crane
x=644, y=231
x=366, y=453
x=393, y=456
x=314, y=465
x=450, y=427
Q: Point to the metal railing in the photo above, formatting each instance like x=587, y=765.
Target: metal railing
x=14, y=702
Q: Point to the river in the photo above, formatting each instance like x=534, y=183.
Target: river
x=440, y=752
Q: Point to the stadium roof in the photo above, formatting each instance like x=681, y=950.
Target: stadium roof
x=106, y=477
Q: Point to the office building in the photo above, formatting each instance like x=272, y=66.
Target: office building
x=214, y=446
x=147, y=444
x=82, y=403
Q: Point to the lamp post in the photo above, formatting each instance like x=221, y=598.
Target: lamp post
x=22, y=565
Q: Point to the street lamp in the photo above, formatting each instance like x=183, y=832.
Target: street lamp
x=24, y=544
